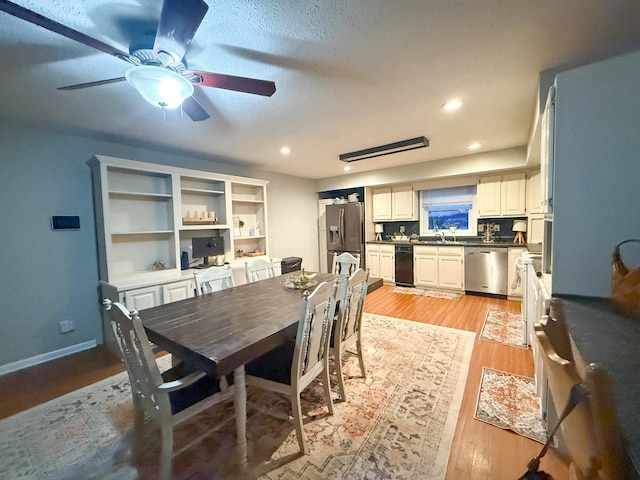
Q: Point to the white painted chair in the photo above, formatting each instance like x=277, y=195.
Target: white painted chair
x=345, y=263
x=168, y=398
x=290, y=368
x=348, y=325
x=259, y=269
x=214, y=279
x=591, y=432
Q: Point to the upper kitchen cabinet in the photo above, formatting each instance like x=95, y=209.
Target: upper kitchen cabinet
x=502, y=195
x=395, y=203
x=534, y=194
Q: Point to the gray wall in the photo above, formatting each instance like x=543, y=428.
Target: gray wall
x=48, y=276
x=597, y=168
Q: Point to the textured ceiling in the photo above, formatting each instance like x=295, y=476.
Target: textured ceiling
x=350, y=74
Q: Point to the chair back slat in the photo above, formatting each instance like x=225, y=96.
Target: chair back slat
x=259, y=269
x=314, y=330
x=142, y=368
x=214, y=279
x=351, y=305
x=345, y=263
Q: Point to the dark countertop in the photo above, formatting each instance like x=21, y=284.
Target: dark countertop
x=461, y=243
x=611, y=340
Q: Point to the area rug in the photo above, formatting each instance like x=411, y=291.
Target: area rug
x=509, y=402
x=503, y=327
x=398, y=422
x=426, y=293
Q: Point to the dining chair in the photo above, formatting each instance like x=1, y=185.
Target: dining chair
x=259, y=269
x=590, y=433
x=348, y=326
x=167, y=398
x=345, y=263
x=291, y=367
x=213, y=279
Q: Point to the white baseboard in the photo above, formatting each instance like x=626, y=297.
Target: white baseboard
x=45, y=357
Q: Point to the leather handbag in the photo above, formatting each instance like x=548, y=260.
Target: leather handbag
x=625, y=283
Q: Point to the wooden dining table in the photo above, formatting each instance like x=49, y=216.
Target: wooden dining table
x=222, y=331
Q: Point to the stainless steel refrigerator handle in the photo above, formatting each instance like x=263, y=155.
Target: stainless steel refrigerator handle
x=341, y=223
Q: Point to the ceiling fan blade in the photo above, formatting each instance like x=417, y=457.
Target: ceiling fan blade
x=179, y=21
x=195, y=111
x=44, y=22
x=230, y=82
x=92, y=84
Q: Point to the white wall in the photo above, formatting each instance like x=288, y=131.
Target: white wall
x=597, y=168
x=48, y=276
x=468, y=165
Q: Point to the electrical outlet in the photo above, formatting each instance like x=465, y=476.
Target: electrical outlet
x=401, y=228
x=66, y=326
x=496, y=227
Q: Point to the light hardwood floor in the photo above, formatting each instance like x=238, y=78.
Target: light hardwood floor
x=479, y=451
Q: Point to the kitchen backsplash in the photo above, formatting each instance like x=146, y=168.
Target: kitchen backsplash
x=504, y=226
x=391, y=227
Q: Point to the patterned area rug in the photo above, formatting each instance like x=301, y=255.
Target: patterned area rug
x=426, y=293
x=398, y=423
x=509, y=402
x=503, y=327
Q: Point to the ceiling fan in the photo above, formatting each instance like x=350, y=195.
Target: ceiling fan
x=159, y=73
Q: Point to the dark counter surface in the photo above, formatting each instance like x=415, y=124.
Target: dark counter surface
x=461, y=243
x=611, y=340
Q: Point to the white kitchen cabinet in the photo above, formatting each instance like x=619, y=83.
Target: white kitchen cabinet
x=382, y=204
x=425, y=266
x=381, y=261
x=489, y=196
x=534, y=193
x=513, y=289
x=395, y=203
x=535, y=228
x=502, y=195
x=439, y=267
x=513, y=194
x=403, y=203
x=451, y=268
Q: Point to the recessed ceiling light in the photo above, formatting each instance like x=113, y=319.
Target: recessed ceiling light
x=285, y=150
x=346, y=168
x=452, y=105
x=474, y=146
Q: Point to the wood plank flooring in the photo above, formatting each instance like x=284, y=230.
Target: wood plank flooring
x=479, y=451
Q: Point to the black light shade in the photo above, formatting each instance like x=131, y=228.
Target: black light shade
x=402, y=146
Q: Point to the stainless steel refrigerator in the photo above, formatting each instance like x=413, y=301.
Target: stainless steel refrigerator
x=345, y=230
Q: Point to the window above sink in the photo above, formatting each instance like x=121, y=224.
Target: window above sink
x=448, y=210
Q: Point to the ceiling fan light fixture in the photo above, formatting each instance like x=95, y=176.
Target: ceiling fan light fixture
x=159, y=86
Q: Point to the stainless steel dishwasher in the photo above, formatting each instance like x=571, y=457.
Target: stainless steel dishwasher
x=404, y=265
x=485, y=270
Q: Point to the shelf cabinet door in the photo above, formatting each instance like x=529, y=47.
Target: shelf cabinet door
x=172, y=292
x=141, y=298
x=382, y=204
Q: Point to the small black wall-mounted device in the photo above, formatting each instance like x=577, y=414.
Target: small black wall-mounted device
x=68, y=222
